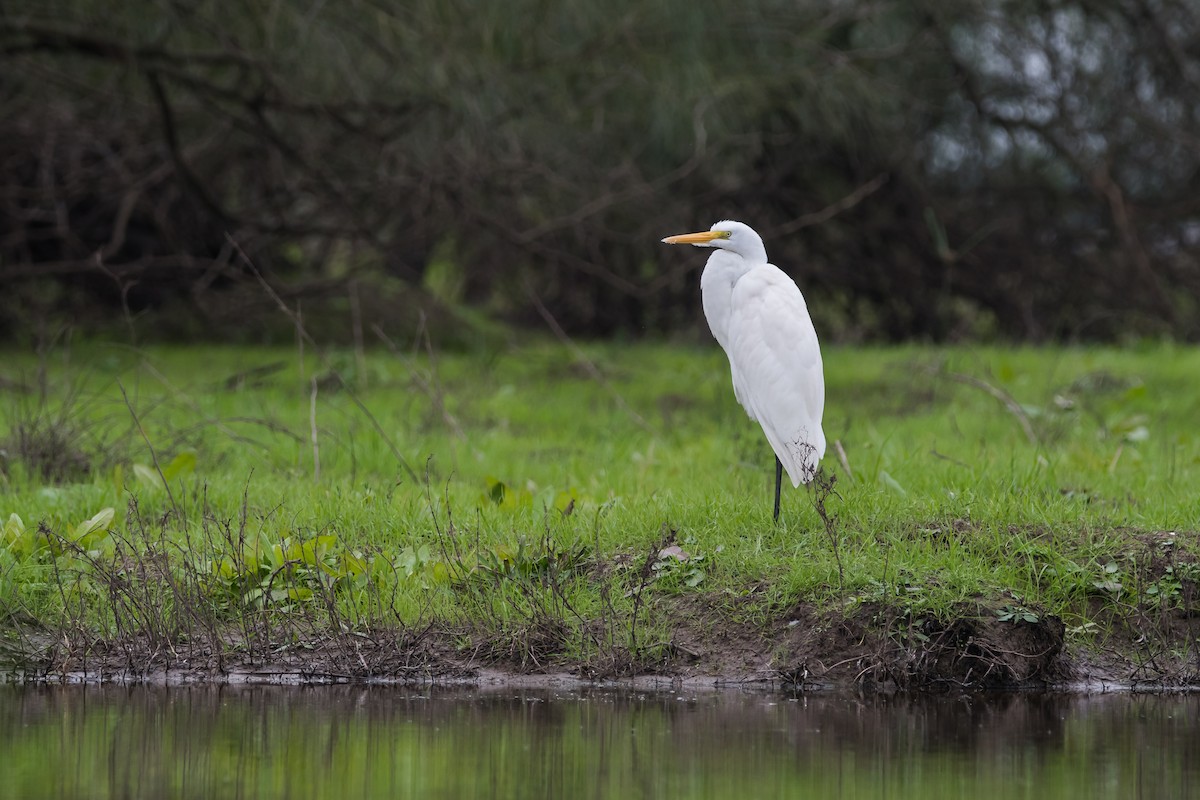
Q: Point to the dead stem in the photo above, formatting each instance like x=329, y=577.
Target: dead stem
x=153, y=455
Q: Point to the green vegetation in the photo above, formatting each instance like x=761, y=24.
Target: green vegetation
x=606, y=509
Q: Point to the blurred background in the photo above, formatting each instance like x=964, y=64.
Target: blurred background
x=938, y=171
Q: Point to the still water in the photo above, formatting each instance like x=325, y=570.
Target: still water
x=334, y=742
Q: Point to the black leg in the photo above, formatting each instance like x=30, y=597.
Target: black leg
x=778, y=483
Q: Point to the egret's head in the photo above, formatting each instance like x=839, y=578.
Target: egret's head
x=736, y=237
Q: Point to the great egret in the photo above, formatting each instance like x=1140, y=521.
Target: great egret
x=758, y=316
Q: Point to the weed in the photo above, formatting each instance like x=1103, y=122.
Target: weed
x=1017, y=613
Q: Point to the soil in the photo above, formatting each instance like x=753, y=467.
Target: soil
x=871, y=648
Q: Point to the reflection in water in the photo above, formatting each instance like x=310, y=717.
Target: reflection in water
x=439, y=743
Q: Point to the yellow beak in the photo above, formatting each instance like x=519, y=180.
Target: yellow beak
x=696, y=238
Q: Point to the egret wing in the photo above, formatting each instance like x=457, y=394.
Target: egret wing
x=777, y=370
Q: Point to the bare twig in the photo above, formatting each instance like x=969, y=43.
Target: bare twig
x=841, y=451
x=299, y=322
x=312, y=427
x=645, y=578
x=304, y=335
x=123, y=286
x=1004, y=397
x=945, y=457
x=430, y=386
x=356, y=327
x=217, y=422
x=153, y=455
x=833, y=209
x=584, y=361
x=823, y=484
x=1112, y=465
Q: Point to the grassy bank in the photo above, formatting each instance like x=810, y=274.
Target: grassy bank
x=999, y=515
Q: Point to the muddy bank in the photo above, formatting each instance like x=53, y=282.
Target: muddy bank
x=873, y=648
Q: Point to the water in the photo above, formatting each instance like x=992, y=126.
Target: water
x=271, y=742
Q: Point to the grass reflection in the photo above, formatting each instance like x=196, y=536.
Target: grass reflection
x=382, y=742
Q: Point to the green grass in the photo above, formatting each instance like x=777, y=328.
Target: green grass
x=949, y=502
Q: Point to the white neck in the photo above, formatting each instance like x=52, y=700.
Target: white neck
x=753, y=252
x=722, y=271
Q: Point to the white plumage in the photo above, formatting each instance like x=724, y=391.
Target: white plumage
x=759, y=317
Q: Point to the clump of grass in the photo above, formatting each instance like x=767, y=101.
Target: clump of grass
x=50, y=450
x=51, y=435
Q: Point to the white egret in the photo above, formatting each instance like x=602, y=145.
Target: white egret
x=758, y=316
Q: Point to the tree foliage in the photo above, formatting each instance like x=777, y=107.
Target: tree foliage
x=1025, y=168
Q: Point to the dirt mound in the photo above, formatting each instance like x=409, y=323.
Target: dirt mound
x=878, y=647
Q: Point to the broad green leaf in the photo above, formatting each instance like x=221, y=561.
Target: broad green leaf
x=19, y=540
x=13, y=528
x=354, y=564
x=182, y=464
x=147, y=476
x=1135, y=392
x=100, y=522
